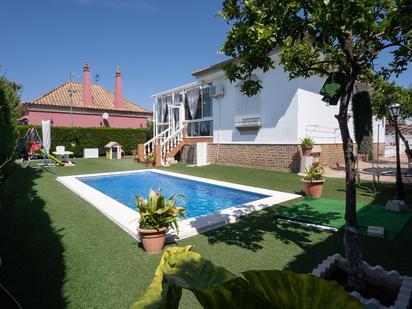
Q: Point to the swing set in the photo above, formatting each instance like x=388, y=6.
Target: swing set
x=30, y=147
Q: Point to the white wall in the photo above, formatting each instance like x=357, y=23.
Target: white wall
x=290, y=110
x=278, y=108
x=316, y=120
x=278, y=112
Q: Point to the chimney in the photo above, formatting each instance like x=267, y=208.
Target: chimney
x=87, y=86
x=118, y=94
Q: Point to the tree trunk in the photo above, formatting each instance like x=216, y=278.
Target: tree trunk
x=351, y=240
x=407, y=149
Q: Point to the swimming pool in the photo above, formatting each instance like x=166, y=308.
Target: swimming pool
x=199, y=198
x=209, y=203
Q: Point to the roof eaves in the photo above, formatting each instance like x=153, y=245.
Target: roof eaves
x=214, y=67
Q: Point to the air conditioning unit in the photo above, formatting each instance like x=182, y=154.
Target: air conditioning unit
x=217, y=91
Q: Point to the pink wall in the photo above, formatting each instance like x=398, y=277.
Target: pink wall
x=87, y=120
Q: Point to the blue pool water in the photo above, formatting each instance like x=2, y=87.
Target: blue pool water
x=199, y=198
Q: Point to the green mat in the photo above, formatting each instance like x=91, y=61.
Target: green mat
x=331, y=213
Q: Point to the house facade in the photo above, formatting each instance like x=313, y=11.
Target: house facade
x=263, y=131
x=86, y=105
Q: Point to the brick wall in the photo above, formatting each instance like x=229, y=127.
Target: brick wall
x=271, y=157
x=265, y=156
x=331, y=155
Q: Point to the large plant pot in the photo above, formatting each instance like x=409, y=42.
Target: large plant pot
x=306, y=150
x=313, y=188
x=152, y=240
x=149, y=164
x=393, y=289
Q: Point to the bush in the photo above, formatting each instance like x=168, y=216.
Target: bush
x=76, y=139
x=9, y=111
x=362, y=119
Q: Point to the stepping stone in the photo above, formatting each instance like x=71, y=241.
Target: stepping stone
x=376, y=231
x=396, y=205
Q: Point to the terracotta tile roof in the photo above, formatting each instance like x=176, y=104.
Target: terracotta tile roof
x=102, y=99
x=214, y=67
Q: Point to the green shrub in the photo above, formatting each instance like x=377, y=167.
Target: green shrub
x=157, y=212
x=314, y=173
x=307, y=142
x=9, y=111
x=362, y=119
x=76, y=139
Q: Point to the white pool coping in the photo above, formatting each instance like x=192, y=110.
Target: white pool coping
x=127, y=218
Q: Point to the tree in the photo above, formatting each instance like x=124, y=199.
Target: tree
x=9, y=111
x=342, y=38
x=386, y=94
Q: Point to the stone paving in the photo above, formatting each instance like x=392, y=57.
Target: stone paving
x=386, y=163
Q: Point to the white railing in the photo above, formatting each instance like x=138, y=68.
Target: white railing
x=322, y=133
x=149, y=146
x=170, y=143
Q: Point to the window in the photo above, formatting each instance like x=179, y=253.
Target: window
x=198, y=114
x=207, y=102
x=247, y=109
x=204, y=107
x=200, y=128
x=178, y=97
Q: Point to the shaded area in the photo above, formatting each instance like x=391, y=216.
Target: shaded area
x=251, y=230
x=331, y=213
x=32, y=268
x=390, y=254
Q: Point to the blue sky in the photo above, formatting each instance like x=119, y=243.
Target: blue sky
x=156, y=43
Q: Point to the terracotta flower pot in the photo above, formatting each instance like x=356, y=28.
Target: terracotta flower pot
x=149, y=164
x=313, y=188
x=306, y=150
x=152, y=240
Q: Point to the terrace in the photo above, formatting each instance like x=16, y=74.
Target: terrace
x=58, y=251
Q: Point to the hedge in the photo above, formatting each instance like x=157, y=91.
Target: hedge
x=76, y=139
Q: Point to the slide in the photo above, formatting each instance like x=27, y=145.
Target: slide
x=53, y=158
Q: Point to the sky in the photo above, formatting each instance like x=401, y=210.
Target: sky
x=156, y=43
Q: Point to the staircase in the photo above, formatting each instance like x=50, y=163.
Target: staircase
x=165, y=145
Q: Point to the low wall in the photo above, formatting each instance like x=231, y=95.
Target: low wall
x=266, y=156
x=271, y=157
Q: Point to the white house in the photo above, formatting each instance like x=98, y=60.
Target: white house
x=262, y=131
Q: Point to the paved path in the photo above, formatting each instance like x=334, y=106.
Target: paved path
x=384, y=163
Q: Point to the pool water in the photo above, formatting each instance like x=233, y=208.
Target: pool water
x=199, y=198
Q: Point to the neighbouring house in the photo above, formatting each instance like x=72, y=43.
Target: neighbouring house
x=263, y=131
x=86, y=105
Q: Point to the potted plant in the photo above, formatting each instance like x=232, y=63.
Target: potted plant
x=150, y=159
x=314, y=180
x=307, y=144
x=157, y=215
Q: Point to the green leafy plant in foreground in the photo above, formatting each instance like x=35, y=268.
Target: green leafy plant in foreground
x=215, y=287
x=158, y=212
x=315, y=172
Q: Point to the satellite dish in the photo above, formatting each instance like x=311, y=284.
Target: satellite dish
x=105, y=116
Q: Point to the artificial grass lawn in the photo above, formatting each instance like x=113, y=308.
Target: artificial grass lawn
x=58, y=251
x=331, y=213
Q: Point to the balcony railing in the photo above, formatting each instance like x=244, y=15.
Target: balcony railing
x=247, y=121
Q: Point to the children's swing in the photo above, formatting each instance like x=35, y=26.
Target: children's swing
x=30, y=147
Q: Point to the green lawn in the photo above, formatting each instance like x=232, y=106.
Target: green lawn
x=58, y=251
